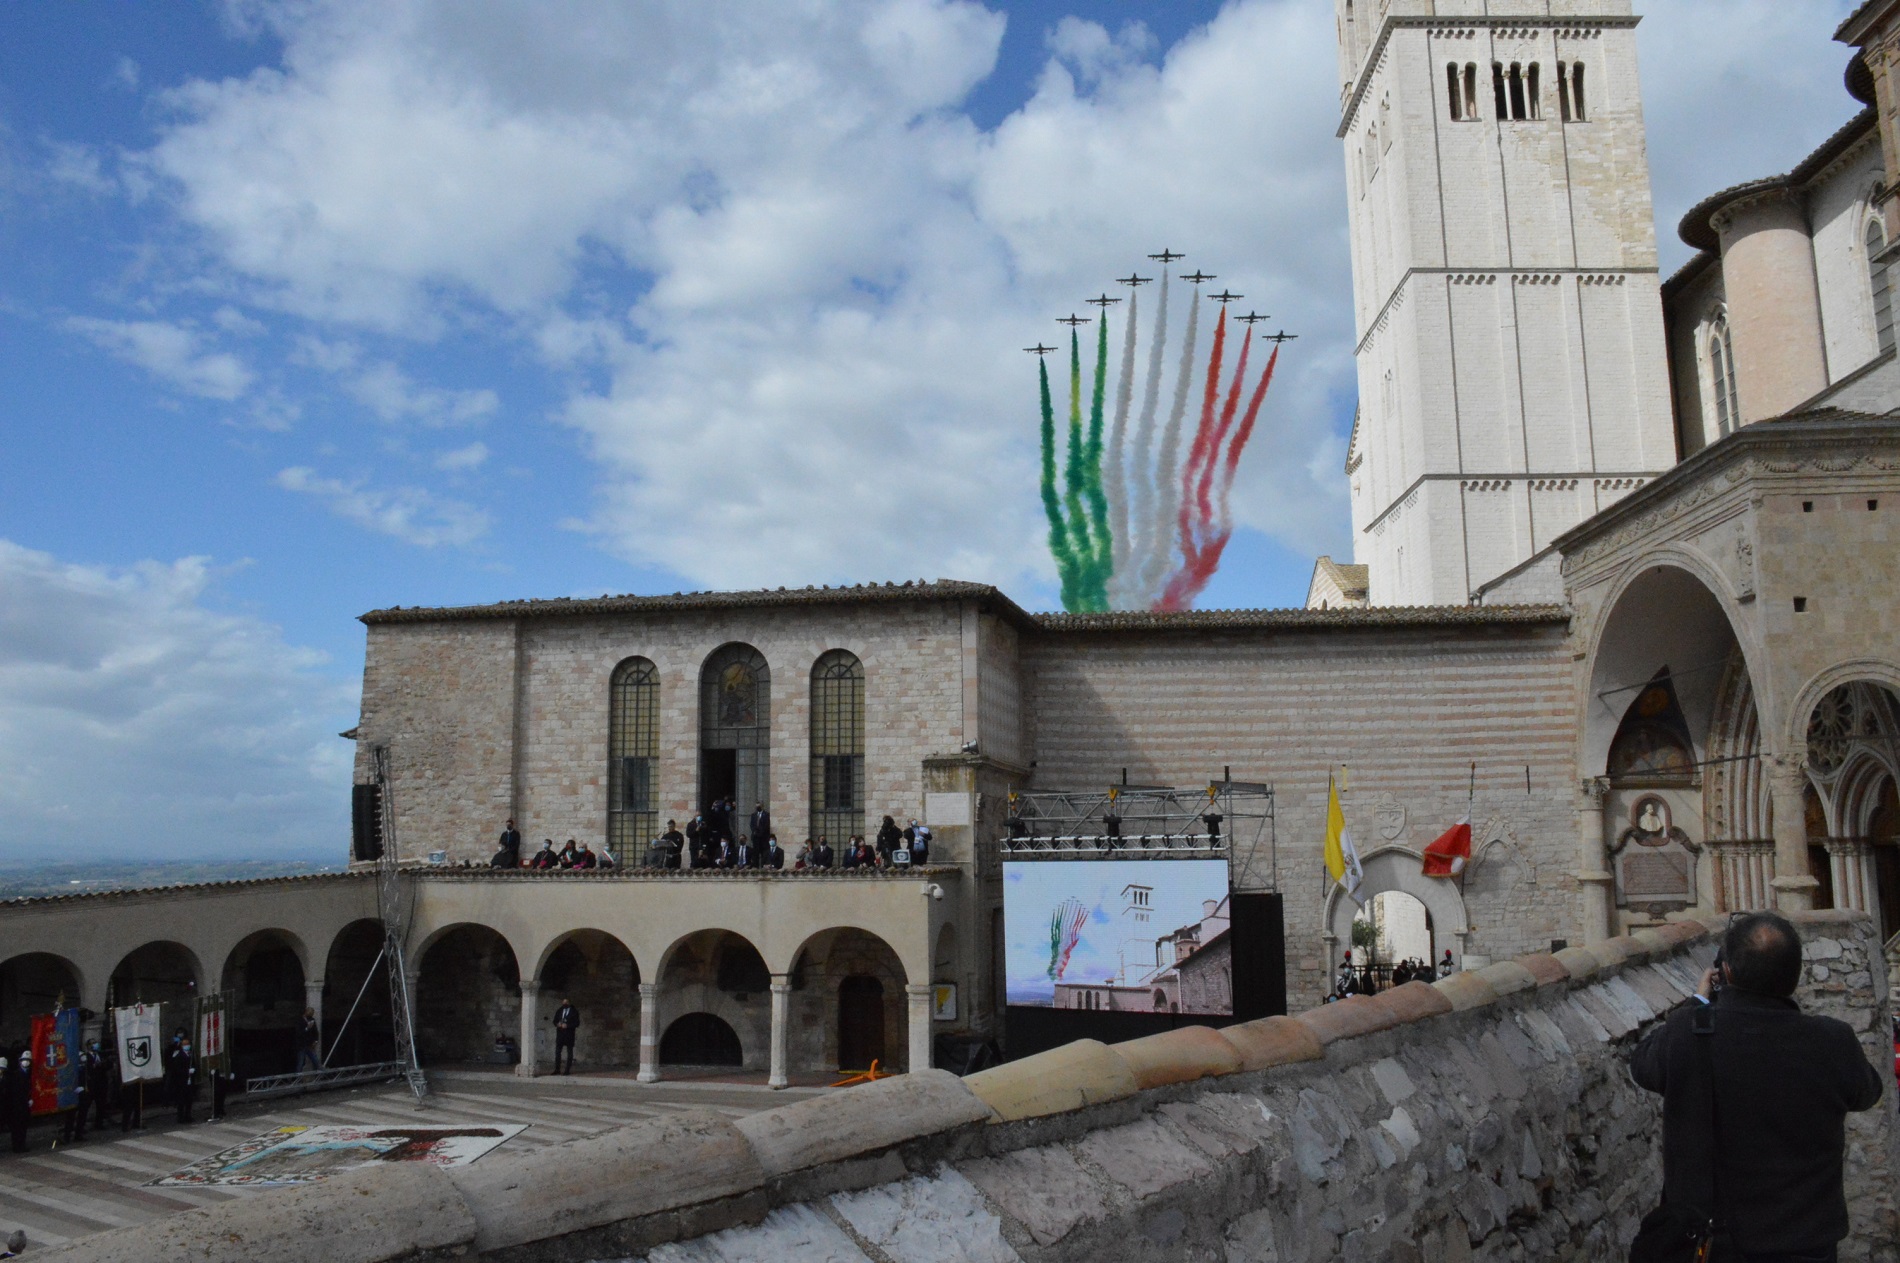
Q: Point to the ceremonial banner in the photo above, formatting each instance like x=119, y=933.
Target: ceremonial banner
x=1447, y=856
x=138, y=1043
x=55, y=1080
x=213, y=1050
x=1342, y=859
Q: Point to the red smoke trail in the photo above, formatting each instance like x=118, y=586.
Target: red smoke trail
x=1220, y=434
x=1200, y=561
x=1205, y=444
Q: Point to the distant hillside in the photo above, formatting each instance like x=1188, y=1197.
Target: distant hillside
x=26, y=881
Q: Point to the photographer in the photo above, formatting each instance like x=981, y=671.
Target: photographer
x=1755, y=1094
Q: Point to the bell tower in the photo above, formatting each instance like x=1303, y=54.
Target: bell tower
x=1512, y=374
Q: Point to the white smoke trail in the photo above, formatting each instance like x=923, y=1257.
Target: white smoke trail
x=1159, y=547
x=1113, y=477
x=1129, y=585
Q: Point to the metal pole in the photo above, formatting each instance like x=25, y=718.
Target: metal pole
x=338, y=1037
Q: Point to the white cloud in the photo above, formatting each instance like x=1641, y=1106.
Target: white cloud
x=794, y=276
x=463, y=458
x=387, y=391
x=79, y=166
x=410, y=514
x=136, y=720
x=170, y=352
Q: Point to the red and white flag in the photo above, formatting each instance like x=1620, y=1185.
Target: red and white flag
x=1446, y=857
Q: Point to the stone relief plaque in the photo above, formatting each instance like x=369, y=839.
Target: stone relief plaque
x=1388, y=816
x=1653, y=861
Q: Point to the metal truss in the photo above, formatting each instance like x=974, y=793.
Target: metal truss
x=318, y=1080
x=1144, y=822
x=392, y=903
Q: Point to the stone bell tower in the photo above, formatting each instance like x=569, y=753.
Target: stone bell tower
x=1512, y=375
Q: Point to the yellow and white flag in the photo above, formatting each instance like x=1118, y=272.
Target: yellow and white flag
x=1342, y=861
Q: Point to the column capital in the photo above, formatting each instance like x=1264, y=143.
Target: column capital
x=781, y=984
x=1591, y=789
x=916, y=990
x=531, y=986
x=649, y=990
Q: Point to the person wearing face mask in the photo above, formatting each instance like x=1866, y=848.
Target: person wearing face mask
x=181, y=1078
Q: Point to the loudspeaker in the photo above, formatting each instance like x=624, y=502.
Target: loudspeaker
x=366, y=822
x=1258, y=935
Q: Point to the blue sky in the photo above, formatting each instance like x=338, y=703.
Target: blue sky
x=315, y=308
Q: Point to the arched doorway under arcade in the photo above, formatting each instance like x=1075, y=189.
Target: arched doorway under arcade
x=264, y=976
x=1852, y=799
x=468, y=996
x=848, y=1004
x=355, y=1013
x=31, y=984
x=597, y=972
x=721, y=975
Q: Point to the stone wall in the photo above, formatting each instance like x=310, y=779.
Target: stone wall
x=1488, y=1116
x=1407, y=710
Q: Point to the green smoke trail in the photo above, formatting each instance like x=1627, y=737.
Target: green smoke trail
x=1075, y=477
x=1102, y=560
x=1051, y=505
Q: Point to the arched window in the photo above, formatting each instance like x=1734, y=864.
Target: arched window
x=1497, y=91
x=1578, y=114
x=837, y=746
x=1882, y=287
x=1516, y=84
x=1471, y=91
x=1533, y=93
x=735, y=728
x=1454, y=91
x=1721, y=351
x=633, y=750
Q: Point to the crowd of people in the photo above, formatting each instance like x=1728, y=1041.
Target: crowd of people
x=1367, y=978
x=100, y=1094
x=720, y=838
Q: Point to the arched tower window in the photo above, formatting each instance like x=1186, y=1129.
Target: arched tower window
x=735, y=728
x=1471, y=91
x=1533, y=93
x=837, y=746
x=1454, y=91
x=1721, y=352
x=1578, y=114
x=1501, y=103
x=1882, y=287
x=633, y=749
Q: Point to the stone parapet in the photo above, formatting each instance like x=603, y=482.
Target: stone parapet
x=1485, y=1116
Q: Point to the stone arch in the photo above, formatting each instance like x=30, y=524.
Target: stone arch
x=467, y=994
x=1399, y=868
x=264, y=974
x=30, y=983
x=721, y=973
x=1669, y=609
x=601, y=975
x=1794, y=730
x=159, y=972
x=830, y=1012
x=356, y=1025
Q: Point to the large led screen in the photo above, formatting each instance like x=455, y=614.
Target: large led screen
x=1119, y=936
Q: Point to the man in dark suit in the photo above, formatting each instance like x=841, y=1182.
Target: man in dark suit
x=824, y=857
x=181, y=1077
x=508, y=854
x=773, y=856
x=761, y=827
x=567, y=1021
x=1784, y=1082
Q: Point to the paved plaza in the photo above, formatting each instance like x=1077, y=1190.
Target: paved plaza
x=64, y=1193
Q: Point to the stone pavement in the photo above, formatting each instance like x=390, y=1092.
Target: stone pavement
x=63, y=1194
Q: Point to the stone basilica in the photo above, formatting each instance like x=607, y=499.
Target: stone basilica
x=1624, y=566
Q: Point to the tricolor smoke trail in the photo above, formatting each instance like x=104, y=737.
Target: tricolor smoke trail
x=1065, y=931
x=1133, y=525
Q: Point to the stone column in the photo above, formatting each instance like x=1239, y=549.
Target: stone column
x=1794, y=888
x=919, y=999
x=1594, y=881
x=530, y=1027
x=649, y=1032
x=781, y=1030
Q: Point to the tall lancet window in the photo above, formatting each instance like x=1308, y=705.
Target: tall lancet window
x=1881, y=284
x=837, y=747
x=633, y=748
x=1461, y=90
x=1722, y=376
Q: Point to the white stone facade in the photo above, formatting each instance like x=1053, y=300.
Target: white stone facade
x=1512, y=379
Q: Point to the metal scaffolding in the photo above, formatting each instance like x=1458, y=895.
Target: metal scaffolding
x=393, y=904
x=1147, y=822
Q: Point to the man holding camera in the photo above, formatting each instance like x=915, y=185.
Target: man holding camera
x=1755, y=1097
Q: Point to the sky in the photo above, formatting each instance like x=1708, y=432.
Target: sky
x=318, y=307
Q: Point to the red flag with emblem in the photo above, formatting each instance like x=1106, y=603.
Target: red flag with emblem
x=1446, y=857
